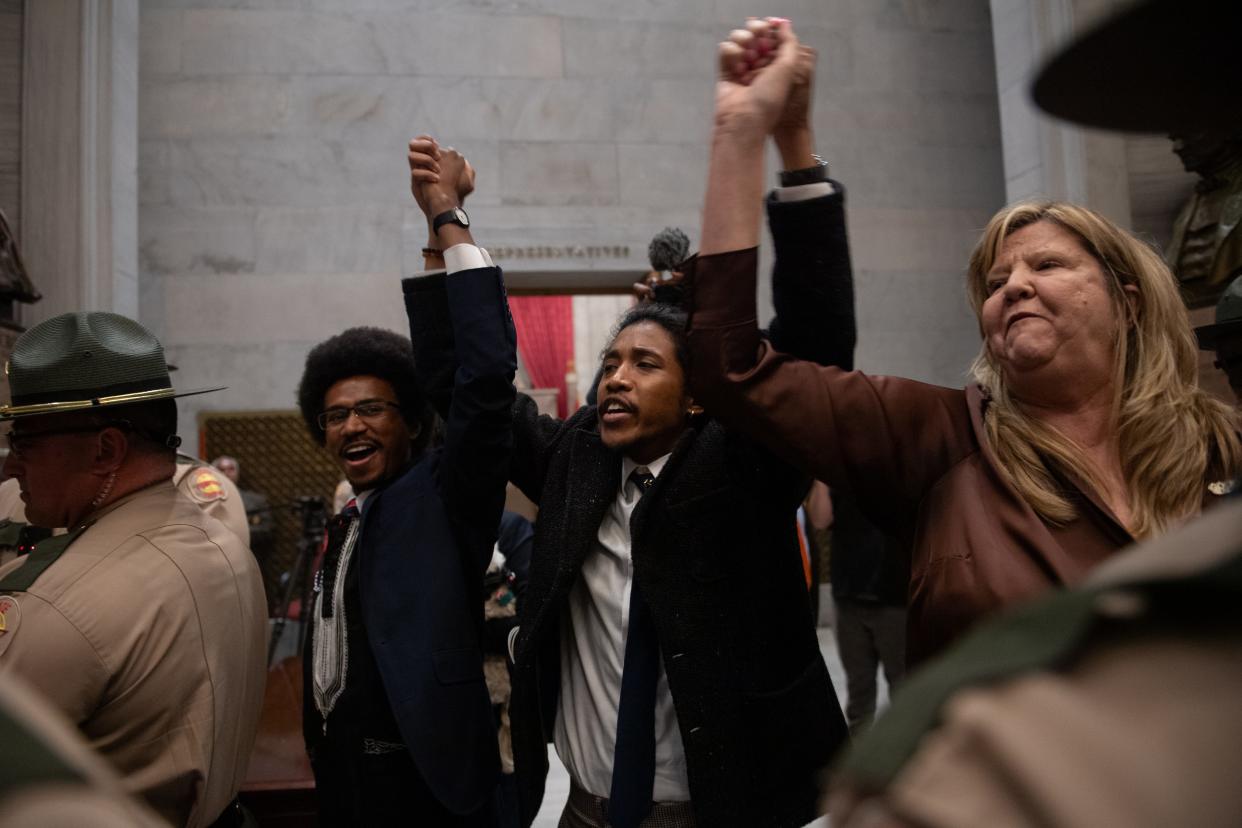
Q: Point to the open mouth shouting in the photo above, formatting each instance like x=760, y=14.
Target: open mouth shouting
x=615, y=410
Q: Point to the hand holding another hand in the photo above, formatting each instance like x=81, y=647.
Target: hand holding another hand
x=764, y=78
x=440, y=177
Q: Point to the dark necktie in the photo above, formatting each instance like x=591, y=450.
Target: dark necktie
x=633, y=760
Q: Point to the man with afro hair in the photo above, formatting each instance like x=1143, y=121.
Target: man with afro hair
x=396, y=713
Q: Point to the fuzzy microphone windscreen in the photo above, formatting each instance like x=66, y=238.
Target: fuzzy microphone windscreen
x=668, y=248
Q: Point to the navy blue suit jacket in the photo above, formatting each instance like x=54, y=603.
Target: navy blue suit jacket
x=426, y=540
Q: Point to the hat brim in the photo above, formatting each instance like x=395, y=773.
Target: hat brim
x=1161, y=66
x=13, y=412
x=1209, y=336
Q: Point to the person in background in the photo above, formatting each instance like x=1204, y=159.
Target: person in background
x=146, y=623
x=504, y=585
x=259, y=518
x=869, y=580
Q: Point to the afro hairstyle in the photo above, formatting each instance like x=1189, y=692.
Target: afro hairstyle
x=371, y=352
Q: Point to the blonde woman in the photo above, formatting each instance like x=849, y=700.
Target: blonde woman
x=1084, y=430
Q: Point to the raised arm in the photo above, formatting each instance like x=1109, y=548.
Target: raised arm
x=478, y=437
x=885, y=438
x=812, y=279
x=433, y=332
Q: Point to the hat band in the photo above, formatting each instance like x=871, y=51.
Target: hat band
x=63, y=406
x=87, y=394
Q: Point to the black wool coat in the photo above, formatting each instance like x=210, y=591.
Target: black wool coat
x=716, y=552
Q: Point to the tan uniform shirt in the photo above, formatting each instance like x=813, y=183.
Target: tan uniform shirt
x=95, y=798
x=148, y=632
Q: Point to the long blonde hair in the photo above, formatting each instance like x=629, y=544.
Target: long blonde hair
x=1171, y=434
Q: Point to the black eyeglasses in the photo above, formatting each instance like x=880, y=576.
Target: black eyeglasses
x=368, y=411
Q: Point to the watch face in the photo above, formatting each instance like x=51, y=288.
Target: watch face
x=462, y=218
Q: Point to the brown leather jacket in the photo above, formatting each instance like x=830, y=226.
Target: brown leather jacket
x=915, y=456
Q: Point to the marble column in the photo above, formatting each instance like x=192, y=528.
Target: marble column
x=1046, y=158
x=79, y=203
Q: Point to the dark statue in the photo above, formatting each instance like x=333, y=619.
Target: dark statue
x=15, y=285
x=1206, y=249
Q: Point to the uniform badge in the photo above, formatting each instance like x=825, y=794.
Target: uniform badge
x=10, y=616
x=206, y=487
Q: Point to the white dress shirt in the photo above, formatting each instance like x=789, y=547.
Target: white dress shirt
x=593, y=631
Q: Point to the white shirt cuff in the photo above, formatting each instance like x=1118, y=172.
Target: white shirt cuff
x=805, y=192
x=466, y=257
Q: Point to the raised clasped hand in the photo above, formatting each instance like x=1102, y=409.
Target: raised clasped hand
x=761, y=67
x=438, y=175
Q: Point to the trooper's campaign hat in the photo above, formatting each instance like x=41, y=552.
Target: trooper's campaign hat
x=86, y=360
x=1228, y=318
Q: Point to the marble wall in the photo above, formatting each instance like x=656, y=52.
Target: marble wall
x=79, y=191
x=11, y=19
x=273, y=197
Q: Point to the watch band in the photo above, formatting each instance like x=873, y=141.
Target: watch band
x=806, y=175
x=454, y=216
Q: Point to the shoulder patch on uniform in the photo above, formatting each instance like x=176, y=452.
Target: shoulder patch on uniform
x=206, y=487
x=10, y=617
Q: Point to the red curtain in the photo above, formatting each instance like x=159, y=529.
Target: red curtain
x=545, y=333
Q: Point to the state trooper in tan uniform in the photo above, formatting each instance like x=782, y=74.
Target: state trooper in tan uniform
x=145, y=624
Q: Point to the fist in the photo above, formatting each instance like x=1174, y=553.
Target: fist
x=438, y=174
x=759, y=66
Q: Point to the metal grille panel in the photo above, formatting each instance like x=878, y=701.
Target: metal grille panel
x=280, y=460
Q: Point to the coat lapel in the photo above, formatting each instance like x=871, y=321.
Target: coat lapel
x=595, y=475
x=576, y=507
